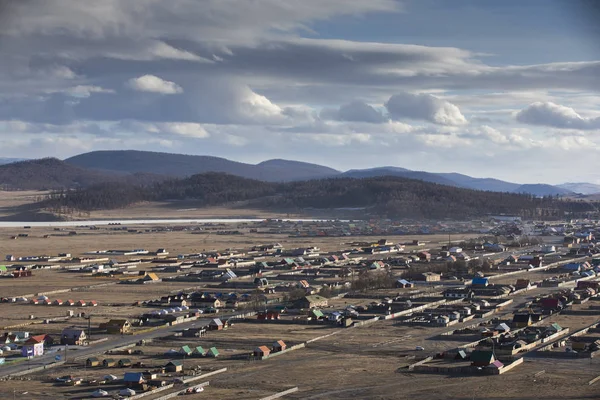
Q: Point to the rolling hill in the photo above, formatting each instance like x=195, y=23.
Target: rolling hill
x=382, y=196
x=180, y=165
x=52, y=174
x=541, y=189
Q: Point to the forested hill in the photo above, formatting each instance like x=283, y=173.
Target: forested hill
x=53, y=174
x=390, y=196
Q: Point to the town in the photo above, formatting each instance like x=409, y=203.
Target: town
x=280, y=308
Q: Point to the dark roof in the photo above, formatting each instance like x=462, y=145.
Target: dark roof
x=482, y=356
x=521, y=318
x=176, y=363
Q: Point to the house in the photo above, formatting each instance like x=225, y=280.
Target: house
x=199, y=351
x=73, y=336
x=268, y=315
x=57, y=302
x=480, y=282
x=455, y=250
x=194, y=332
x=133, y=379
x=459, y=293
x=109, y=363
x=215, y=325
x=521, y=320
x=312, y=301
x=174, y=366
x=551, y=304
x=185, y=350
x=116, y=326
x=461, y=355
x=212, y=352
x=428, y=277
x=34, y=346
x=279, y=346
x=523, y=284
x=124, y=362
x=317, y=314
x=261, y=351
x=503, y=328
x=496, y=365
x=81, y=303
x=482, y=358
x=92, y=362
x=424, y=256
x=403, y=284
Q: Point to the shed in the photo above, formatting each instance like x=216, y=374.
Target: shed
x=124, y=362
x=185, y=350
x=279, y=346
x=92, y=362
x=262, y=351
x=482, y=358
x=174, y=366
x=215, y=325
x=109, y=362
x=212, y=352
x=133, y=379
x=199, y=350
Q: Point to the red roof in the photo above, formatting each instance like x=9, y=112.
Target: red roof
x=36, y=339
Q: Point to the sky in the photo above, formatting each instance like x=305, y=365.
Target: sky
x=505, y=89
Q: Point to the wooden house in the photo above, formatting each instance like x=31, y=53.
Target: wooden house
x=73, y=336
x=215, y=325
x=92, y=362
x=261, y=351
x=116, y=326
x=279, y=346
x=109, y=363
x=174, y=366
x=124, y=362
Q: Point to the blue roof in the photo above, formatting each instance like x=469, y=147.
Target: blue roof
x=480, y=281
x=403, y=281
x=133, y=376
x=572, y=266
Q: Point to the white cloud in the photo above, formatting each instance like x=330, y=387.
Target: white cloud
x=556, y=115
x=356, y=111
x=185, y=129
x=86, y=90
x=424, y=107
x=154, y=84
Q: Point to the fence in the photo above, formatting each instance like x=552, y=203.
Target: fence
x=151, y=392
x=281, y=394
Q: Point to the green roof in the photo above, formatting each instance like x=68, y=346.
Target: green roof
x=214, y=351
x=176, y=363
x=482, y=356
x=185, y=349
x=318, y=313
x=556, y=327
x=3, y=268
x=200, y=350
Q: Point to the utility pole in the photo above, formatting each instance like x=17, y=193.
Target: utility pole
x=89, y=318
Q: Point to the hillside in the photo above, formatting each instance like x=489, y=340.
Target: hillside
x=494, y=185
x=398, y=172
x=393, y=197
x=52, y=174
x=181, y=165
x=540, y=189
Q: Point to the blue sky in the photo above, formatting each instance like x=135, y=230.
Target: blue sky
x=504, y=89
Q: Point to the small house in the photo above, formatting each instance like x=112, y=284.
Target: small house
x=480, y=282
x=313, y=301
x=124, y=362
x=116, y=326
x=133, y=379
x=261, y=351
x=109, y=363
x=215, y=325
x=212, y=352
x=92, y=362
x=521, y=320
x=57, y=302
x=482, y=358
x=199, y=351
x=73, y=336
x=81, y=303
x=429, y=277
x=403, y=284
x=185, y=350
x=34, y=346
x=174, y=366
x=279, y=346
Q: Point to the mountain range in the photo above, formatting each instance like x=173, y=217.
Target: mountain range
x=147, y=167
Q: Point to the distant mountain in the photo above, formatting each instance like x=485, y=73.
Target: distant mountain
x=494, y=185
x=540, y=189
x=51, y=174
x=5, y=160
x=398, y=172
x=180, y=165
x=581, y=187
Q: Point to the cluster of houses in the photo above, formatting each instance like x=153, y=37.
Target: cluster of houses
x=44, y=300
